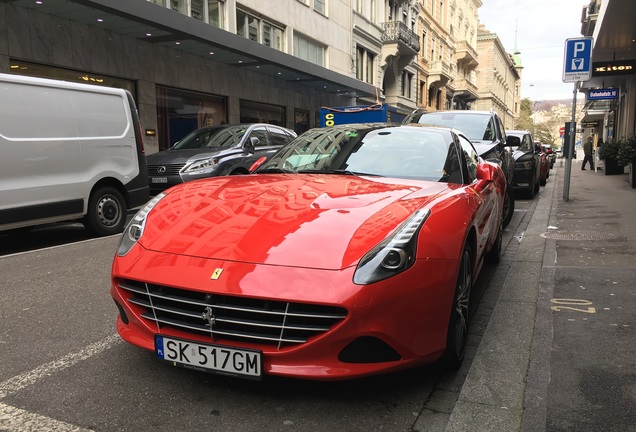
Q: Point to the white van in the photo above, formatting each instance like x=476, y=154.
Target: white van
x=68, y=151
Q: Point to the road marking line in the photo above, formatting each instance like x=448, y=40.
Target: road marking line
x=16, y=419
x=18, y=382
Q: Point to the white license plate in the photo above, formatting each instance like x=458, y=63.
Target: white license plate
x=209, y=357
x=159, y=179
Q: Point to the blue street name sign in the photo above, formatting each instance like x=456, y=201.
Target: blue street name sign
x=577, y=65
x=600, y=94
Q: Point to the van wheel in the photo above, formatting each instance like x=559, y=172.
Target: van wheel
x=106, y=212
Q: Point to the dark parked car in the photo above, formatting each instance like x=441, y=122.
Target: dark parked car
x=214, y=151
x=527, y=176
x=487, y=133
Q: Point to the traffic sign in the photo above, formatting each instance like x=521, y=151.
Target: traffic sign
x=577, y=65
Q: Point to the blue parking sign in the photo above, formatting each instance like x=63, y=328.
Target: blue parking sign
x=577, y=65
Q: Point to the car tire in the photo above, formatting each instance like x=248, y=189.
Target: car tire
x=509, y=206
x=106, y=213
x=457, y=334
x=532, y=190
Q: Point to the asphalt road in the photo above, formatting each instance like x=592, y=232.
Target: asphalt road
x=65, y=369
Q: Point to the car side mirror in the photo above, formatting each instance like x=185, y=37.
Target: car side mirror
x=251, y=144
x=485, y=171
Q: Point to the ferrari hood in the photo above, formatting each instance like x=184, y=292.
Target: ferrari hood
x=305, y=220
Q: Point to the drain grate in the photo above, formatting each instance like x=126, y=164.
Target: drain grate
x=577, y=235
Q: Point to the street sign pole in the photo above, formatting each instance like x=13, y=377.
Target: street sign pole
x=570, y=155
x=577, y=67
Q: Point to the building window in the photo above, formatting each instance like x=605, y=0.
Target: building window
x=393, y=10
x=196, y=10
x=423, y=48
x=407, y=77
x=256, y=112
x=364, y=65
x=209, y=11
x=258, y=30
x=422, y=92
x=301, y=121
x=309, y=50
x=319, y=6
x=272, y=36
x=19, y=67
x=179, y=6
x=215, y=13
x=179, y=112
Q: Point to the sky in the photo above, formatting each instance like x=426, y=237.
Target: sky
x=542, y=26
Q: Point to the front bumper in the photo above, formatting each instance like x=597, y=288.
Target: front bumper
x=523, y=178
x=390, y=325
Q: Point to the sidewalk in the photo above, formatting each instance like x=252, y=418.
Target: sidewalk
x=510, y=385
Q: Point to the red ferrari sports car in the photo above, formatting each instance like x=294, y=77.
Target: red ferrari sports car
x=350, y=252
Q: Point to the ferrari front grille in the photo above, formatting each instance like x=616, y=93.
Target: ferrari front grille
x=225, y=317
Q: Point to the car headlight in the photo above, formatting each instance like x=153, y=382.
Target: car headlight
x=135, y=227
x=524, y=164
x=202, y=165
x=394, y=254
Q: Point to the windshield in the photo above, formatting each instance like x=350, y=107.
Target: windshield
x=399, y=152
x=476, y=126
x=218, y=137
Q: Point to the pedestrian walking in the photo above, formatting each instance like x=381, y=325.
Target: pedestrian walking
x=587, y=150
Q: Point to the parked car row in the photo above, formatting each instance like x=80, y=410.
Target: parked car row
x=532, y=163
x=348, y=251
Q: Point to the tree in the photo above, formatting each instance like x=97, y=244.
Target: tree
x=545, y=132
x=524, y=122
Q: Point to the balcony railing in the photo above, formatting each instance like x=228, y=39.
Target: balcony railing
x=465, y=52
x=440, y=68
x=396, y=31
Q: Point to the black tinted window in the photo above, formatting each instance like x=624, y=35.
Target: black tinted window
x=472, y=159
x=278, y=136
x=260, y=132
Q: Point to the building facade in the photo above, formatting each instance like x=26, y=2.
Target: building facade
x=610, y=24
x=499, y=78
x=194, y=62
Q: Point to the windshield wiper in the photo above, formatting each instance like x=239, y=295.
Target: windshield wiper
x=274, y=171
x=338, y=171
